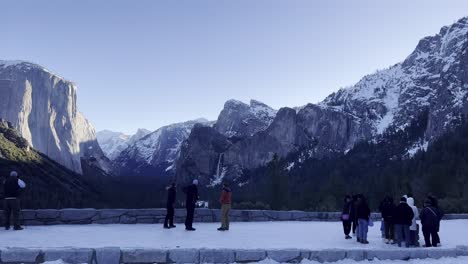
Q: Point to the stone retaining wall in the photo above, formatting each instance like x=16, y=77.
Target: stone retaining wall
x=151, y=216
x=139, y=255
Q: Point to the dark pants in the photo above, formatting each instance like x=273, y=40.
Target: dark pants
x=354, y=226
x=403, y=234
x=347, y=227
x=11, y=209
x=429, y=232
x=169, y=221
x=190, y=214
x=389, y=230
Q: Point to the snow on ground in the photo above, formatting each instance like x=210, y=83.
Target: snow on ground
x=244, y=235
x=460, y=260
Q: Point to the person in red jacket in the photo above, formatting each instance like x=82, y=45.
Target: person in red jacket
x=225, y=201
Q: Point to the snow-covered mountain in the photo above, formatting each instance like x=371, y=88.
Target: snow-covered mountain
x=43, y=108
x=156, y=152
x=433, y=79
x=113, y=143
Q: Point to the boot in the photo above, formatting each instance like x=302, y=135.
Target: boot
x=18, y=228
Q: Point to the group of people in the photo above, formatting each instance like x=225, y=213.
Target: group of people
x=191, y=198
x=399, y=221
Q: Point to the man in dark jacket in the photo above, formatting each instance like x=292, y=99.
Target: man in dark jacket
x=386, y=208
x=12, y=187
x=191, y=193
x=363, y=214
x=171, y=198
x=403, y=218
x=430, y=220
x=346, y=216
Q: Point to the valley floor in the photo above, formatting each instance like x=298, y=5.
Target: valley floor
x=251, y=235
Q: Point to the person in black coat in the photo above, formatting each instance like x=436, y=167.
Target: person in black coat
x=171, y=198
x=430, y=220
x=191, y=193
x=387, y=208
x=346, y=216
x=11, y=205
x=363, y=214
x=403, y=218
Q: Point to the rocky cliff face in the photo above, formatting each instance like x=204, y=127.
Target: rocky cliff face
x=238, y=119
x=433, y=79
x=42, y=107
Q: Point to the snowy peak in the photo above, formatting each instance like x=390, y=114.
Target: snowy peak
x=112, y=143
x=240, y=119
x=158, y=148
x=395, y=96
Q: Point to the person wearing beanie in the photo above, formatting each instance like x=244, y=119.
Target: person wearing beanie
x=403, y=219
x=387, y=209
x=12, y=189
x=191, y=195
x=225, y=200
x=171, y=198
x=363, y=214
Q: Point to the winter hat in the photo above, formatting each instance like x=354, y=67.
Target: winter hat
x=403, y=199
x=195, y=182
x=13, y=174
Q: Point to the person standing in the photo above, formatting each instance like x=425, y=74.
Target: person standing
x=191, y=193
x=430, y=221
x=171, y=198
x=346, y=216
x=225, y=200
x=12, y=187
x=386, y=208
x=363, y=215
x=414, y=226
x=403, y=219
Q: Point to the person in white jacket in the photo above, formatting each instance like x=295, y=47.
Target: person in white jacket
x=414, y=227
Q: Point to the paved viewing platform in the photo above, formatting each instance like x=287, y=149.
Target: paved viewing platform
x=281, y=241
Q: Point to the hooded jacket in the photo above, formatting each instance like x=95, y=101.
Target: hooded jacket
x=410, y=202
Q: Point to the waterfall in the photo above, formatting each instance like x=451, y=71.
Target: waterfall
x=220, y=165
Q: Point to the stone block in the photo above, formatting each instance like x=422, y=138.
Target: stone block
x=184, y=256
x=437, y=253
x=69, y=255
x=328, y=255
x=356, y=254
x=217, y=256
x=418, y=253
x=20, y=255
x=109, y=255
x=394, y=254
x=48, y=214
x=250, y=255
x=285, y=255
x=28, y=214
x=125, y=219
x=146, y=212
x=144, y=256
x=111, y=213
x=77, y=215
x=462, y=250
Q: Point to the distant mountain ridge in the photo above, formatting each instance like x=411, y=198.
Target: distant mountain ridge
x=433, y=79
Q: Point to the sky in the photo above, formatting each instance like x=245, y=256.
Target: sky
x=149, y=63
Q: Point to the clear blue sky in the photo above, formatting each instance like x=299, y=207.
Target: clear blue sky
x=151, y=63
